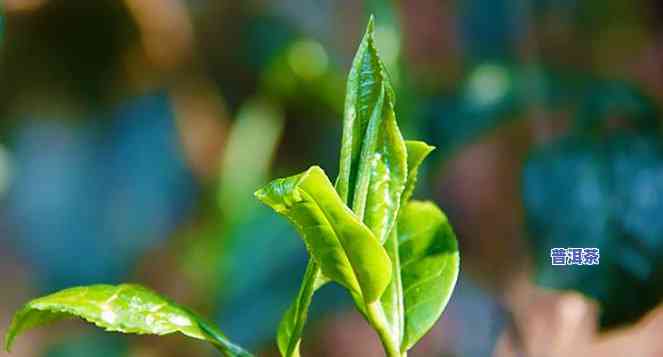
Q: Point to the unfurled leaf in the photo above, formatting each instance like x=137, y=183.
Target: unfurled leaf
x=429, y=267
x=345, y=248
x=123, y=308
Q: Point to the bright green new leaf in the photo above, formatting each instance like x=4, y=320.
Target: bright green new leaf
x=373, y=164
x=429, y=267
x=392, y=299
x=382, y=174
x=123, y=308
x=373, y=167
x=378, y=173
x=345, y=248
x=417, y=151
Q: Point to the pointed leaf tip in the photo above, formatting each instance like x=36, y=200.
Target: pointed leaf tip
x=370, y=27
x=125, y=308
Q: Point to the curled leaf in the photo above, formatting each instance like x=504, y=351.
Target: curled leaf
x=345, y=248
x=373, y=162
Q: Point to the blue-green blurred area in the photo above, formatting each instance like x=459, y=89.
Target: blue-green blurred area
x=134, y=133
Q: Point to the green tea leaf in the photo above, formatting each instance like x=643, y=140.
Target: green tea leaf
x=378, y=172
x=417, y=151
x=345, y=248
x=429, y=267
x=384, y=169
x=373, y=163
x=392, y=299
x=123, y=308
x=372, y=147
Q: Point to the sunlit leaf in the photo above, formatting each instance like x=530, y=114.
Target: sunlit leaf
x=367, y=83
x=392, y=300
x=123, y=308
x=345, y=248
x=378, y=172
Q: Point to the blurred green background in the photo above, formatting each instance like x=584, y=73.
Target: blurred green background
x=134, y=132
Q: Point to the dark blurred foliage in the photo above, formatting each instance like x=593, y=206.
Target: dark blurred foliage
x=599, y=186
x=134, y=133
x=66, y=48
x=606, y=194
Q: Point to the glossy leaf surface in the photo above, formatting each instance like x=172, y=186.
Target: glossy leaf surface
x=123, y=308
x=392, y=299
x=429, y=267
x=373, y=163
x=382, y=174
x=378, y=172
x=345, y=248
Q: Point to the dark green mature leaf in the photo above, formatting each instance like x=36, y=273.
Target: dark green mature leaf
x=123, y=308
x=429, y=267
x=345, y=248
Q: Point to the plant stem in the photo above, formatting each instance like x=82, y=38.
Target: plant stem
x=221, y=342
x=378, y=320
x=397, y=317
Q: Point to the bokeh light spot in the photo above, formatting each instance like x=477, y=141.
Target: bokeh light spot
x=308, y=59
x=488, y=84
